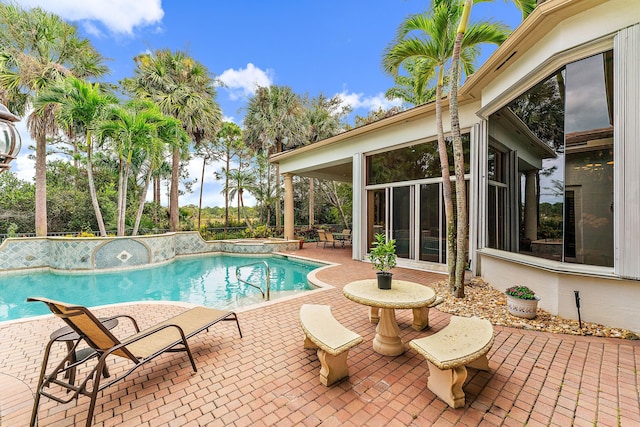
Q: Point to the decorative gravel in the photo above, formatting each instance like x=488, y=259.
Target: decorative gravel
x=484, y=301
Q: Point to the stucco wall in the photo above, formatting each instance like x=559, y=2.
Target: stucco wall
x=609, y=301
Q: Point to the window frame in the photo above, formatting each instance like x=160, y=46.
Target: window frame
x=528, y=81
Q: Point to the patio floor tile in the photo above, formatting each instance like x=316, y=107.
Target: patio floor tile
x=268, y=378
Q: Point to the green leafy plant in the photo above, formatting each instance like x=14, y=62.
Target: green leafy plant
x=12, y=229
x=383, y=255
x=521, y=292
x=259, y=232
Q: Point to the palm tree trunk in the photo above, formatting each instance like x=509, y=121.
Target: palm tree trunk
x=156, y=198
x=92, y=189
x=204, y=165
x=446, y=183
x=41, y=183
x=244, y=213
x=278, y=195
x=174, y=211
x=123, y=213
x=226, y=192
x=143, y=197
x=458, y=157
x=120, y=191
x=269, y=199
x=278, y=192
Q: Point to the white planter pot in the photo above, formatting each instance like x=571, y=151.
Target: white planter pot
x=525, y=308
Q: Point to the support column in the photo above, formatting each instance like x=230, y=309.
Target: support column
x=288, y=206
x=530, y=207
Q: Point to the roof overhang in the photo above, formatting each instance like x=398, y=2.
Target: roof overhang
x=404, y=116
x=540, y=22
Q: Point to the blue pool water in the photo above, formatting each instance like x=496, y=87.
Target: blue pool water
x=209, y=281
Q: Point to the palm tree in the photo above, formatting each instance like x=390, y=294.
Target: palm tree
x=37, y=49
x=169, y=134
x=438, y=30
x=526, y=6
x=183, y=89
x=128, y=128
x=79, y=106
x=241, y=180
x=208, y=152
x=264, y=191
x=275, y=119
x=326, y=118
x=229, y=144
x=412, y=88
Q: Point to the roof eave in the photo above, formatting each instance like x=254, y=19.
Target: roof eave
x=403, y=116
x=541, y=21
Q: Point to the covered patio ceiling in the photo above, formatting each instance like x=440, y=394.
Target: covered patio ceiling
x=336, y=171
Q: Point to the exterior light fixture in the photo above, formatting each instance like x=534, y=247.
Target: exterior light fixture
x=10, y=141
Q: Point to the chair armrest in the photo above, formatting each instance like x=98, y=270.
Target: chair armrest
x=133, y=321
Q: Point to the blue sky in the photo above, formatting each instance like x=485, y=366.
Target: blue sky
x=330, y=47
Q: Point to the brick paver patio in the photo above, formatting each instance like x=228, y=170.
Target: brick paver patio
x=267, y=378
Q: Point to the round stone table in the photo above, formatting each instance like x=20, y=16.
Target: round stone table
x=402, y=294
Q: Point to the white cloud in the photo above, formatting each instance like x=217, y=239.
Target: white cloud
x=242, y=83
x=370, y=103
x=230, y=119
x=119, y=16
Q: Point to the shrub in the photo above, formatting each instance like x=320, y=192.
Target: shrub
x=521, y=292
x=383, y=254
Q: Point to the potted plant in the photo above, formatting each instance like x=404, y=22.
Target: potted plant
x=522, y=301
x=383, y=257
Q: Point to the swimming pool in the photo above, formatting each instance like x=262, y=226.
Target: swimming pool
x=209, y=281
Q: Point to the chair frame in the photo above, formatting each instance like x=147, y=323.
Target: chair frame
x=67, y=313
x=330, y=239
x=322, y=238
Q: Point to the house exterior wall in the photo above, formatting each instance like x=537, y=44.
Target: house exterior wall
x=419, y=128
x=596, y=23
x=609, y=301
x=606, y=297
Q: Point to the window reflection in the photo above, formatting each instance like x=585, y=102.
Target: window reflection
x=411, y=213
x=551, y=167
x=410, y=163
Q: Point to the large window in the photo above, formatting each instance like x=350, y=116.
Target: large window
x=551, y=167
x=412, y=163
x=406, y=201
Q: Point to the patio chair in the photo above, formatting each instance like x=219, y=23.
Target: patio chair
x=346, y=237
x=322, y=238
x=330, y=239
x=140, y=348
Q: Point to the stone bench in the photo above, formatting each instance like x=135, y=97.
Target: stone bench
x=332, y=340
x=464, y=342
